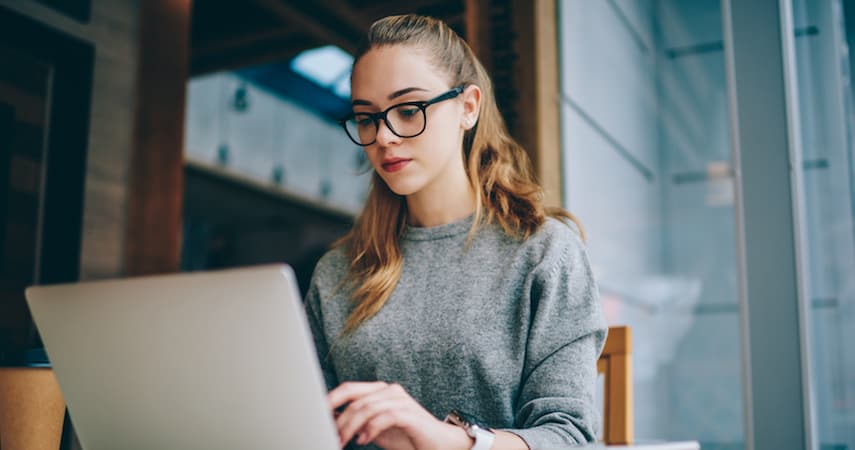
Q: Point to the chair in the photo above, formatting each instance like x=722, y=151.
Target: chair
x=615, y=364
x=31, y=409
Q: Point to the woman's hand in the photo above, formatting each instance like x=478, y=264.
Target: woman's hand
x=386, y=415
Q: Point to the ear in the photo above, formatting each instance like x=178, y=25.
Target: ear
x=471, y=106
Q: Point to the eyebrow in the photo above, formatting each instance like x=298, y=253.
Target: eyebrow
x=392, y=96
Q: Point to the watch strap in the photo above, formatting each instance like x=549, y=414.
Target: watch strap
x=483, y=438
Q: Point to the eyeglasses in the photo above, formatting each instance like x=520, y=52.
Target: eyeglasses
x=405, y=120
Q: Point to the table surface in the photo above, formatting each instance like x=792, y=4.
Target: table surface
x=663, y=445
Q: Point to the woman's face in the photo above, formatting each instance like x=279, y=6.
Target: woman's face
x=393, y=74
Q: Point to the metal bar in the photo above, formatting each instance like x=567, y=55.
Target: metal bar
x=717, y=46
x=813, y=164
x=630, y=28
x=733, y=307
x=849, y=25
x=702, y=176
x=613, y=142
x=765, y=142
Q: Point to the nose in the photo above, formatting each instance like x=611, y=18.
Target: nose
x=385, y=136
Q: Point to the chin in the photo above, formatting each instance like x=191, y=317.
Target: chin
x=403, y=187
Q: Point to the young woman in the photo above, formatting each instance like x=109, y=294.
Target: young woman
x=456, y=290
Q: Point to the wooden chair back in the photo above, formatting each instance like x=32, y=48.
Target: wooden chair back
x=32, y=409
x=615, y=364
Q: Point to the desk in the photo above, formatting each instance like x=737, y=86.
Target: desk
x=684, y=445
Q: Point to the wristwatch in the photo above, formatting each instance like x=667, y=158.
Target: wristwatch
x=482, y=434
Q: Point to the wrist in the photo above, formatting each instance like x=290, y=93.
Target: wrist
x=480, y=433
x=457, y=438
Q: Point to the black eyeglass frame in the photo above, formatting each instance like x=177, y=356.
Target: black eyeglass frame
x=376, y=117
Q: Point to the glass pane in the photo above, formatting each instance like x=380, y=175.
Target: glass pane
x=824, y=30
x=647, y=169
x=270, y=138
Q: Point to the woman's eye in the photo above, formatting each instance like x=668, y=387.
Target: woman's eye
x=364, y=121
x=408, y=112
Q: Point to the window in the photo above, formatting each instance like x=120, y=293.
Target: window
x=828, y=172
x=647, y=169
x=276, y=125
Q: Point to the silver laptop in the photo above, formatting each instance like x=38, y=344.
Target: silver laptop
x=213, y=360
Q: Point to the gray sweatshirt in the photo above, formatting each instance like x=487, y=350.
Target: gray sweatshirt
x=508, y=331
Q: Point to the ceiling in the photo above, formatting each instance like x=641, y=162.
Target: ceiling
x=228, y=35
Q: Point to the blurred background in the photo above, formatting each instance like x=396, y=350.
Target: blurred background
x=158, y=136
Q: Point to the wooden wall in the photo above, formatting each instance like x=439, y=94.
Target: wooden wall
x=113, y=28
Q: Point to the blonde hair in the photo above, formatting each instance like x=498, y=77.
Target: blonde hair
x=497, y=166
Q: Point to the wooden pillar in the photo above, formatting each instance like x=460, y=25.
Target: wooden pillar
x=155, y=192
x=537, y=81
x=477, y=17
x=517, y=41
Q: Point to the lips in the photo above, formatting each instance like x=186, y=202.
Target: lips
x=394, y=164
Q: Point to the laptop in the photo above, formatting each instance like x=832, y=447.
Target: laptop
x=206, y=360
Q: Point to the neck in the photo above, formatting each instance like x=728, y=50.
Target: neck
x=446, y=200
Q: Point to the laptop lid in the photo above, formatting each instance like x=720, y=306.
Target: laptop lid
x=206, y=360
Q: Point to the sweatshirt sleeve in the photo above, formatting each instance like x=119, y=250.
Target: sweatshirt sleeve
x=556, y=405
x=314, y=315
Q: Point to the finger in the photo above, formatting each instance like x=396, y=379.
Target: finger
x=352, y=390
x=379, y=424
x=362, y=408
x=355, y=418
x=387, y=391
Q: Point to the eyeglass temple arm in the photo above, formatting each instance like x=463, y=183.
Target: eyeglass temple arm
x=454, y=92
